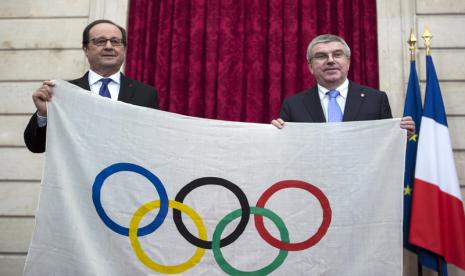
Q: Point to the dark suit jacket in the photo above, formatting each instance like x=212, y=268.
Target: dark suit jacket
x=362, y=103
x=131, y=91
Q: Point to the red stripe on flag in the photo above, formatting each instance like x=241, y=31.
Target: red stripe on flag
x=438, y=222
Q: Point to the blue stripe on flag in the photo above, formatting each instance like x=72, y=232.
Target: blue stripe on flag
x=434, y=106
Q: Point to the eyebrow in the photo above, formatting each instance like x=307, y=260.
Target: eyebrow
x=335, y=51
x=103, y=37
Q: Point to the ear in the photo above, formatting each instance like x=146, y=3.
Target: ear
x=310, y=67
x=85, y=49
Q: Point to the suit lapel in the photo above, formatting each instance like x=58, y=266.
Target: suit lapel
x=83, y=82
x=126, y=90
x=313, y=105
x=355, y=98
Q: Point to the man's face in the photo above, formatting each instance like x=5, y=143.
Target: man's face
x=329, y=64
x=105, y=59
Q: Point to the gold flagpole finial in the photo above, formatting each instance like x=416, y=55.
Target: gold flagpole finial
x=412, y=41
x=427, y=36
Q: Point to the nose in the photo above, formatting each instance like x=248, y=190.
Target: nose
x=330, y=58
x=108, y=45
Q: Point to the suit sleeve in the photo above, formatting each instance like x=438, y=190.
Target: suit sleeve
x=143, y=95
x=35, y=136
x=385, y=107
x=156, y=101
x=285, y=112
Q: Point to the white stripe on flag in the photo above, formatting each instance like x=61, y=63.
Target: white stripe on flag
x=435, y=161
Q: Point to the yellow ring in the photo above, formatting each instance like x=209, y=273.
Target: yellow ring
x=134, y=225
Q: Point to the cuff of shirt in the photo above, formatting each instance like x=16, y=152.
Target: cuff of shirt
x=41, y=120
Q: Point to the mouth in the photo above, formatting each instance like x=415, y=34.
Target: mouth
x=107, y=53
x=331, y=70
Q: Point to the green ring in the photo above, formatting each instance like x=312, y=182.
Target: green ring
x=225, y=266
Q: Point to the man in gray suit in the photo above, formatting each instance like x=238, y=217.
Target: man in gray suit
x=335, y=98
x=104, y=44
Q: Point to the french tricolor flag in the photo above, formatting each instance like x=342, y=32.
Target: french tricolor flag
x=438, y=218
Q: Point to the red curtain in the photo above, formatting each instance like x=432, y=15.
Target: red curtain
x=237, y=59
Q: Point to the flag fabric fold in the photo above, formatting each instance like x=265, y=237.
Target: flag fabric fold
x=437, y=218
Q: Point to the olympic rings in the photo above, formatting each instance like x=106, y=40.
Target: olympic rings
x=137, y=217
x=133, y=232
x=118, y=167
x=225, y=266
x=324, y=202
x=213, y=181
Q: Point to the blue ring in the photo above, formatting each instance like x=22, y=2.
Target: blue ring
x=118, y=167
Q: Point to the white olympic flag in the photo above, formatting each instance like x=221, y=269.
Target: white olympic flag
x=128, y=190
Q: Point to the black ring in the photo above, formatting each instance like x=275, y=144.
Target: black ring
x=212, y=181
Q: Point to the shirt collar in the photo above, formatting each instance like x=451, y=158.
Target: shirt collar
x=94, y=77
x=343, y=89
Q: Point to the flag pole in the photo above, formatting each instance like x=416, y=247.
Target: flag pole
x=412, y=42
x=427, y=36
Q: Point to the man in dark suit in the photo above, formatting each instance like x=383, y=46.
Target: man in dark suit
x=335, y=98
x=104, y=44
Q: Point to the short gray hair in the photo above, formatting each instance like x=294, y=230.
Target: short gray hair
x=326, y=38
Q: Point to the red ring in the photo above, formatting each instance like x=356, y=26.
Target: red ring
x=315, y=238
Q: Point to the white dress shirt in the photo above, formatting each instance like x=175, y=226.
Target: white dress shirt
x=113, y=86
x=94, y=84
x=341, y=99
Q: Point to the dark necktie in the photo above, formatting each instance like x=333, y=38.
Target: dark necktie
x=104, y=92
x=334, y=110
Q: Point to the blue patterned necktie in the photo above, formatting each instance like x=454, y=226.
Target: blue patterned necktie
x=334, y=110
x=104, y=92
